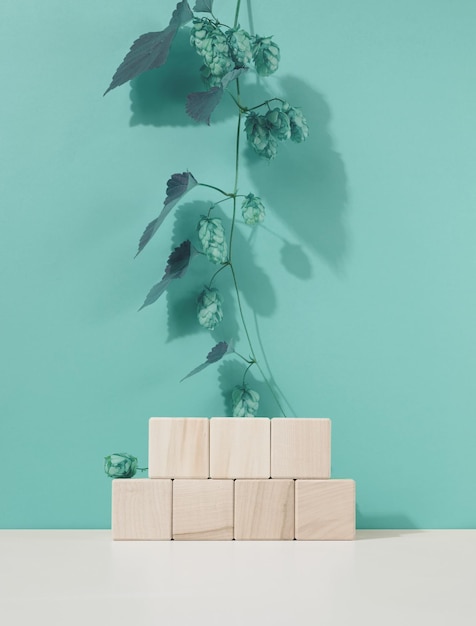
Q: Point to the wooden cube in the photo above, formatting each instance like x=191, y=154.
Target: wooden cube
x=325, y=509
x=178, y=447
x=239, y=447
x=300, y=447
x=202, y=509
x=264, y=509
x=141, y=509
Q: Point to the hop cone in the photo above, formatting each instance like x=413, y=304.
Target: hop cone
x=120, y=465
x=212, y=237
x=252, y=209
x=210, y=43
x=245, y=401
x=209, y=309
x=265, y=55
x=278, y=124
x=208, y=78
x=298, y=123
x=260, y=137
x=239, y=43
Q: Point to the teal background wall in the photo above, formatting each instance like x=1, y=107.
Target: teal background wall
x=360, y=286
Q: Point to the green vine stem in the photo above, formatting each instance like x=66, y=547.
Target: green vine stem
x=241, y=111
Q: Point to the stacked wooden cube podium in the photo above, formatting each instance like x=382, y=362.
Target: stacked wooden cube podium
x=236, y=478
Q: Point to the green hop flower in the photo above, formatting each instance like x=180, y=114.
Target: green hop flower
x=252, y=209
x=260, y=137
x=239, y=43
x=212, y=237
x=278, y=124
x=245, y=401
x=208, y=78
x=211, y=44
x=265, y=55
x=120, y=465
x=298, y=123
x=209, y=308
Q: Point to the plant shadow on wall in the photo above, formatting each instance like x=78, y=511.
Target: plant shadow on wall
x=182, y=295
x=214, y=254
x=313, y=198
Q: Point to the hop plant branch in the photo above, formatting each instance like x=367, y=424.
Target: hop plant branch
x=227, y=53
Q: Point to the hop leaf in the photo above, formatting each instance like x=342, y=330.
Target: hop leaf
x=212, y=237
x=260, y=137
x=209, y=308
x=215, y=354
x=265, y=55
x=245, y=401
x=201, y=104
x=176, y=267
x=120, y=465
x=252, y=209
x=151, y=49
x=278, y=124
x=203, y=6
x=177, y=186
x=298, y=123
x=211, y=44
x=239, y=43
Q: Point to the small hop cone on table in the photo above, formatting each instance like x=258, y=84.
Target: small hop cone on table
x=120, y=465
x=245, y=401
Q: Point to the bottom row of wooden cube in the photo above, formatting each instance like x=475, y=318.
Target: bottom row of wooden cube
x=214, y=509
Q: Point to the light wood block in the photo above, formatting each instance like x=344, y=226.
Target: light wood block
x=178, y=447
x=325, y=509
x=202, y=509
x=300, y=447
x=264, y=509
x=141, y=509
x=239, y=447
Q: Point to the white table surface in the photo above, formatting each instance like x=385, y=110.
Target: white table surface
x=384, y=578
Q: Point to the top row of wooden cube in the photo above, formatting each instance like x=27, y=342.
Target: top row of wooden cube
x=222, y=447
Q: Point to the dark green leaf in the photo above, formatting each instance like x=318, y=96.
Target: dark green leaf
x=152, y=49
x=201, y=104
x=203, y=6
x=177, y=186
x=178, y=260
x=215, y=354
x=177, y=265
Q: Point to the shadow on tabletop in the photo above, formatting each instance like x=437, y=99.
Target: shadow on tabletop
x=383, y=526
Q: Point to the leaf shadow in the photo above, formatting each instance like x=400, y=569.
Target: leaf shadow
x=158, y=96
